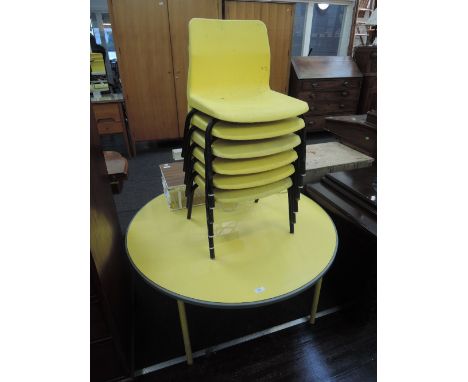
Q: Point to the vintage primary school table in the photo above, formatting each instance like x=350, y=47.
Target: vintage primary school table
x=258, y=262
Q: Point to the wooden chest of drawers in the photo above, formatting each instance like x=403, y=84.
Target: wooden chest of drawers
x=329, y=84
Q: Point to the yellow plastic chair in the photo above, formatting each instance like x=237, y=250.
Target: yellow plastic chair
x=97, y=64
x=247, y=194
x=237, y=182
x=249, y=131
x=249, y=165
x=229, y=73
x=248, y=149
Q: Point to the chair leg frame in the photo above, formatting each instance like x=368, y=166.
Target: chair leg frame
x=187, y=125
x=209, y=190
x=187, y=151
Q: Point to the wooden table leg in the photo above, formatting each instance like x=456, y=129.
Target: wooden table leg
x=127, y=143
x=315, y=302
x=185, y=332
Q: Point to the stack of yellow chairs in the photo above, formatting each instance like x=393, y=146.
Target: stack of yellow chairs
x=242, y=140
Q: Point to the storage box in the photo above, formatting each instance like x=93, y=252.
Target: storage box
x=172, y=176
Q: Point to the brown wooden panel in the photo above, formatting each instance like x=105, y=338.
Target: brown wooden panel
x=332, y=84
x=180, y=13
x=325, y=67
x=105, y=111
x=143, y=45
x=110, y=127
x=110, y=270
x=331, y=107
x=278, y=18
x=318, y=96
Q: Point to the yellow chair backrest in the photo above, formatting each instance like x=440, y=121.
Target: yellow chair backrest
x=97, y=63
x=228, y=55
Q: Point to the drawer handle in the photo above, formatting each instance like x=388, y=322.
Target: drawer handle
x=315, y=85
x=310, y=123
x=341, y=105
x=366, y=138
x=346, y=83
x=344, y=93
x=312, y=108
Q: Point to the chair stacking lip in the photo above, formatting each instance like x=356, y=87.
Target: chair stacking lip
x=242, y=140
x=235, y=182
x=249, y=131
x=248, y=149
x=249, y=165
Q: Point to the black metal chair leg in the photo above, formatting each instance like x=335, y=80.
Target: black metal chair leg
x=191, y=162
x=190, y=201
x=209, y=191
x=188, y=120
x=290, y=208
x=188, y=146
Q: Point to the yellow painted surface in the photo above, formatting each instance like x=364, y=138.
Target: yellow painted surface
x=248, y=149
x=249, y=131
x=246, y=194
x=229, y=72
x=236, y=182
x=256, y=257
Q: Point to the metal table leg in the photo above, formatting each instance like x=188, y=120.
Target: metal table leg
x=315, y=302
x=185, y=332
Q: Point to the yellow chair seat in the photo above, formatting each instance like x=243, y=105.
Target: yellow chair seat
x=248, y=166
x=247, y=194
x=264, y=106
x=249, y=131
x=237, y=182
x=248, y=149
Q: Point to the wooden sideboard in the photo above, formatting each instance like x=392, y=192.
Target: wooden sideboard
x=329, y=84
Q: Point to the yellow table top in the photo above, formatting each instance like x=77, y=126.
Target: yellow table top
x=257, y=260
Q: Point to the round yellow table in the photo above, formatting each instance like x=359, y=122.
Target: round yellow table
x=258, y=261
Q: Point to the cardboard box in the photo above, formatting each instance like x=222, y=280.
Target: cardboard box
x=172, y=176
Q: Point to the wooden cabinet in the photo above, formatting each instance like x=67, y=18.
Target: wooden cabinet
x=279, y=19
x=110, y=119
x=180, y=13
x=151, y=39
x=366, y=60
x=329, y=84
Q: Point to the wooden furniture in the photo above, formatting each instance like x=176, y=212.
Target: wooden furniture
x=111, y=285
x=110, y=119
x=324, y=158
x=329, y=84
x=352, y=194
x=356, y=131
x=279, y=19
x=350, y=197
x=366, y=60
x=151, y=44
x=117, y=170
x=262, y=262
